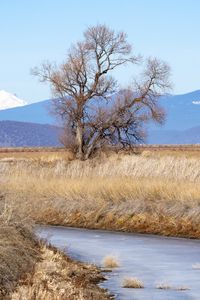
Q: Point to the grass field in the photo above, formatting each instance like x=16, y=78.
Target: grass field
x=19, y=250
x=151, y=192
x=31, y=270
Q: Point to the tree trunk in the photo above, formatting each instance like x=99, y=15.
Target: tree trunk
x=91, y=146
x=88, y=151
x=79, y=141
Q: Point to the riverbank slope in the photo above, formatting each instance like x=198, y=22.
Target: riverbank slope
x=29, y=269
x=147, y=193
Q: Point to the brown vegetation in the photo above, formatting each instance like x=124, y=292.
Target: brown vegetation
x=133, y=283
x=56, y=277
x=153, y=194
x=84, y=87
x=110, y=261
x=52, y=153
x=182, y=288
x=19, y=250
x=150, y=192
x=166, y=286
x=30, y=270
x=163, y=286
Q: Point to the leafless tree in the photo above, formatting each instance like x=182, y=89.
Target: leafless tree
x=88, y=98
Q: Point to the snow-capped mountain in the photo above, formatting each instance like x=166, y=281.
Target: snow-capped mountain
x=8, y=100
x=182, y=124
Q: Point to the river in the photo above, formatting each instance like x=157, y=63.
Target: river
x=152, y=259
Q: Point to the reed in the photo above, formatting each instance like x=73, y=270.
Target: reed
x=159, y=194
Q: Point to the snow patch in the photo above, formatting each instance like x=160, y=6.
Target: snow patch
x=8, y=100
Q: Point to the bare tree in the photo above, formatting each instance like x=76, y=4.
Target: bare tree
x=88, y=99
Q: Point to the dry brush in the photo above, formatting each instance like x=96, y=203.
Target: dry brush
x=154, y=194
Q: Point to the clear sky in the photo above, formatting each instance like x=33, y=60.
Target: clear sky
x=32, y=31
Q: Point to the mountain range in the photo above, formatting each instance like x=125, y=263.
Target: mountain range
x=182, y=124
x=26, y=134
x=183, y=111
x=8, y=100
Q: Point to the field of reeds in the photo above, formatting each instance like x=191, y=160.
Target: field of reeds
x=151, y=192
x=19, y=250
x=31, y=270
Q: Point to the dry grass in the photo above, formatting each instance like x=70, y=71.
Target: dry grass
x=110, y=262
x=193, y=152
x=19, y=250
x=159, y=194
x=166, y=286
x=149, y=193
x=133, y=283
x=163, y=286
x=42, y=154
x=30, y=270
x=182, y=288
x=56, y=277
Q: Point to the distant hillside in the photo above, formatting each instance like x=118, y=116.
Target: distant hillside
x=35, y=113
x=22, y=134
x=183, y=112
x=182, y=123
x=189, y=136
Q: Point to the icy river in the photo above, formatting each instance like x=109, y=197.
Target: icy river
x=155, y=260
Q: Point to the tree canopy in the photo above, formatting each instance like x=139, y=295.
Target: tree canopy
x=94, y=110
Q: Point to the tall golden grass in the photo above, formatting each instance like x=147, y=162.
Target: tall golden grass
x=145, y=193
x=56, y=277
x=31, y=270
x=19, y=250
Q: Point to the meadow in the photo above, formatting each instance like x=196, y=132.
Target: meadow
x=146, y=191
x=150, y=192
x=32, y=269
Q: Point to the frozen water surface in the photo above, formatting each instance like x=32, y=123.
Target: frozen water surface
x=152, y=259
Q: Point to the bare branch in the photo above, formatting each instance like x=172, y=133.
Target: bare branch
x=88, y=100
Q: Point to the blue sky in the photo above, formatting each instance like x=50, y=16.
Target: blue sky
x=32, y=31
